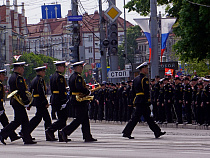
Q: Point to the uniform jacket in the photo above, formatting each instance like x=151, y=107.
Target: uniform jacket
x=141, y=85
x=38, y=88
x=77, y=84
x=17, y=82
x=2, y=95
x=58, y=89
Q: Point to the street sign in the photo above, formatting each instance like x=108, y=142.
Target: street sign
x=75, y=18
x=98, y=65
x=118, y=74
x=113, y=13
x=51, y=11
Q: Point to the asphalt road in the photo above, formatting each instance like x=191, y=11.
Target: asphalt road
x=177, y=143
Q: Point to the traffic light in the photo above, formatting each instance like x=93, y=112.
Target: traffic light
x=74, y=54
x=113, y=38
x=95, y=74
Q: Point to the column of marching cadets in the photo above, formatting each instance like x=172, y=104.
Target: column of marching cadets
x=180, y=100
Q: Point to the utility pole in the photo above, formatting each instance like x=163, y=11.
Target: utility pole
x=125, y=35
x=113, y=46
x=154, y=39
x=102, y=49
x=76, y=33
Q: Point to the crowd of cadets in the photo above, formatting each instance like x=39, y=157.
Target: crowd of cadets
x=179, y=100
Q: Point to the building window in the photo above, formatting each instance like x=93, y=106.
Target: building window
x=90, y=50
x=90, y=60
x=90, y=38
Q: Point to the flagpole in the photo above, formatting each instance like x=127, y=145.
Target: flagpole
x=154, y=40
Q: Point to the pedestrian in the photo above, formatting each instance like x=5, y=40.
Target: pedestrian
x=78, y=88
x=58, y=100
x=3, y=117
x=142, y=102
x=17, y=82
x=39, y=90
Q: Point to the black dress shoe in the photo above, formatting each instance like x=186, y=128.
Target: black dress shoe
x=55, y=139
x=2, y=140
x=30, y=142
x=128, y=136
x=90, y=140
x=21, y=135
x=160, y=134
x=50, y=135
x=64, y=136
x=61, y=140
x=14, y=138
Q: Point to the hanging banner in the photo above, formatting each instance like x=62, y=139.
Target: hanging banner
x=166, y=25
x=169, y=72
x=144, y=24
x=86, y=74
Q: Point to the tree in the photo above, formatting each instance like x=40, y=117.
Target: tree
x=143, y=6
x=194, y=30
x=132, y=34
x=192, y=24
x=200, y=67
x=34, y=61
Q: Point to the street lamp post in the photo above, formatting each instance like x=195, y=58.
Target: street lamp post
x=125, y=57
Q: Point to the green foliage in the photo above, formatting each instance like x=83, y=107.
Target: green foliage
x=132, y=34
x=34, y=61
x=201, y=67
x=194, y=30
x=193, y=25
x=142, y=6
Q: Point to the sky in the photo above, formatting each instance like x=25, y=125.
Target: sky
x=33, y=8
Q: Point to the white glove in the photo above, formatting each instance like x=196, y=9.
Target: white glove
x=63, y=106
x=26, y=106
x=1, y=112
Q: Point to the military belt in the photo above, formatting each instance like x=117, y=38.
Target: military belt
x=75, y=93
x=56, y=92
x=2, y=100
x=140, y=93
x=36, y=95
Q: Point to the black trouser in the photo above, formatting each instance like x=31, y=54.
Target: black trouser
x=81, y=118
x=4, y=121
x=188, y=110
x=161, y=112
x=61, y=121
x=155, y=111
x=200, y=114
x=101, y=110
x=41, y=112
x=141, y=109
x=168, y=110
x=178, y=111
x=20, y=118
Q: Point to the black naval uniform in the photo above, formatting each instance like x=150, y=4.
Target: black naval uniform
x=16, y=82
x=178, y=98
x=168, y=94
x=3, y=118
x=101, y=99
x=38, y=88
x=161, y=108
x=142, y=101
x=58, y=98
x=77, y=85
x=188, y=101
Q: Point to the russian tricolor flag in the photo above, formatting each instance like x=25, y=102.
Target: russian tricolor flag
x=144, y=24
x=166, y=25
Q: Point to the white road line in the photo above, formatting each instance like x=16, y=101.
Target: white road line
x=65, y=156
